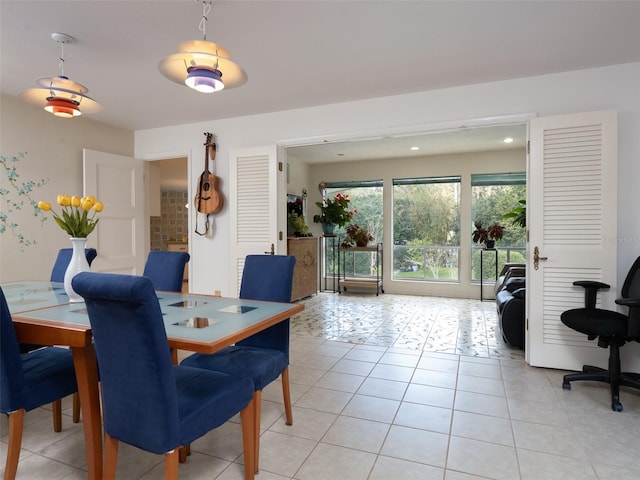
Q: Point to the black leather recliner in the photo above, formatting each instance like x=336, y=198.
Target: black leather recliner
x=510, y=304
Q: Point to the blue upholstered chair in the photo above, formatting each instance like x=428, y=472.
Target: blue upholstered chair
x=57, y=275
x=149, y=402
x=166, y=270
x=28, y=381
x=264, y=356
x=63, y=259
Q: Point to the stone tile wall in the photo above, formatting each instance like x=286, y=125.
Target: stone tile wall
x=172, y=224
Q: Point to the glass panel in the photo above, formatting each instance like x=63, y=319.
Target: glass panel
x=491, y=197
x=366, y=199
x=426, y=229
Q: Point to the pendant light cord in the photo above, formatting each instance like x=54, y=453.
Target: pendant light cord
x=61, y=58
x=206, y=8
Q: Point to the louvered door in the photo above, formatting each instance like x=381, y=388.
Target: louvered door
x=253, y=206
x=572, y=209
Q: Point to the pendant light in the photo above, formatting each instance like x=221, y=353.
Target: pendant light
x=201, y=65
x=60, y=95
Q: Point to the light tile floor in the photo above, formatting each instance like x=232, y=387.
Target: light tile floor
x=393, y=387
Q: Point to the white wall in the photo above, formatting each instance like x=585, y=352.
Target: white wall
x=613, y=87
x=54, y=152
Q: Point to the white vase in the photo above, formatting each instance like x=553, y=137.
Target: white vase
x=77, y=264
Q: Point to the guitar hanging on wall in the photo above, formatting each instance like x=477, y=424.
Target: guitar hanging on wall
x=208, y=199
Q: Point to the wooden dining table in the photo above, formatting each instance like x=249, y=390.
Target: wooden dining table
x=42, y=315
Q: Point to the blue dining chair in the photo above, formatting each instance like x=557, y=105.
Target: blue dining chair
x=29, y=381
x=166, y=270
x=57, y=275
x=149, y=402
x=263, y=357
x=63, y=259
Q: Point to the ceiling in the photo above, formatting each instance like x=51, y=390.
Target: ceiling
x=461, y=140
x=303, y=53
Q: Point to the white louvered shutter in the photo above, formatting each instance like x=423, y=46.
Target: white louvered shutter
x=253, y=206
x=572, y=207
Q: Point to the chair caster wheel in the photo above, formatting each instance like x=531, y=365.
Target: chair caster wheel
x=566, y=386
x=616, y=406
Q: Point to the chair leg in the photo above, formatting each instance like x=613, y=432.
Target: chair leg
x=57, y=415
x=110, y=457
x=248, y=440
x=184, y=451
x=171, y=464
x=257, y=404
x=16, y=425
x=76, y=407
x=614, y=377
x=286, y=395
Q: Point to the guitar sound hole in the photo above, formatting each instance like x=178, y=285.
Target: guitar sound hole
x=206, y=187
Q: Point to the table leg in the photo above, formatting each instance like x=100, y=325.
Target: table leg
x=84, y=361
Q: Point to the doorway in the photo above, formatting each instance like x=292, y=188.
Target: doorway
x=169, y=207
x=436, y=153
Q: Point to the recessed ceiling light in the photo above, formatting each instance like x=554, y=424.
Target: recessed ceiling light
x=415, y=148
x=508, y=140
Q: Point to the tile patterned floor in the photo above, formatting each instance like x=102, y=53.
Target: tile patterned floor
x=393, y=387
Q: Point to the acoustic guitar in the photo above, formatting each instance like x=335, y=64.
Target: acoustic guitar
x=208, y=199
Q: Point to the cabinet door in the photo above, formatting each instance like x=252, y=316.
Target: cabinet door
x=305, y=274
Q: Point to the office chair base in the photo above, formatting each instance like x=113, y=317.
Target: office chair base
x=597, y=374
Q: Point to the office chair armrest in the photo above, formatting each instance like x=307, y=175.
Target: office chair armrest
x=591, y=284
x=591, y=288
x=629, y=302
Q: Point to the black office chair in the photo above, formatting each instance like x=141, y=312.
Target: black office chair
x=612, y=329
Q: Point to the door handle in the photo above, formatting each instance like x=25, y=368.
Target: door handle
x=537, y=258
x=273, y=250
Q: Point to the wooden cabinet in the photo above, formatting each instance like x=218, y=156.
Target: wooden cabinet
x=305, y=274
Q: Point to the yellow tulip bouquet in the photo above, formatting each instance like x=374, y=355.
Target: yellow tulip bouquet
x=75, y=218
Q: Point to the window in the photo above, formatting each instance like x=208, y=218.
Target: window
x=493, y=195
x=426, y=229
x=366, y=198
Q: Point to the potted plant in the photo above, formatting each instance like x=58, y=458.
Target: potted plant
x=334, y=212
x=489, y=235
x=357, y=235
x=518, y=215
x=298, y=225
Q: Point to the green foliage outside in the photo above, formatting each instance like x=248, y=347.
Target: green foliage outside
x=426, y=216
x=489, y=204
x=368, y=203
x=426, y=229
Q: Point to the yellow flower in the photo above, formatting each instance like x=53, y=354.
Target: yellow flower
x=88, y=201
x=75, y=219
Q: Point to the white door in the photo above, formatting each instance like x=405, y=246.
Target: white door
x=572, y=212
x=256, y=223
x=119, y=237
x=256, y=219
